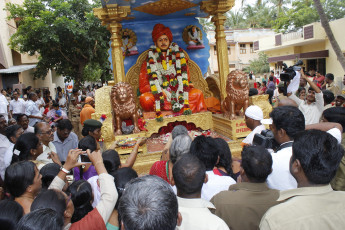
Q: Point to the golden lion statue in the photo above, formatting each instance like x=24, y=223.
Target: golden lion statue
x=237, y=91
x=123, y=104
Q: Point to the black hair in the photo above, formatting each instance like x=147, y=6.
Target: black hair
x=270, y=95
x=25, y=143
x=88, y=142
x=253, y=92
x=41, y=219
x=271, y=78
x=311, y=89
x=256, y=163
x=59, y=89
x=319, y=154
x=11, y=131
x=300, y=89
x=86, y=129
x=20, y=116
x=225, y=158
x=75, y=91
x=37, y=91
x=81, y=194
x=189, y=174
x=51, y=198
x=289, y=118
x=19, y=176
x=55, y=103
x=64, y=124
x=250, y=76
x=121, y=178
x=330, y=76
x=205, y=148
x=10, y=214
x=111, y=160
x=328, y=96
x=335, y=114
x=49, y=172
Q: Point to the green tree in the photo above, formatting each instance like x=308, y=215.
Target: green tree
x=258, y=65
x=330, y=35
x=67, y=36
x=302, y=12
x=206, y=23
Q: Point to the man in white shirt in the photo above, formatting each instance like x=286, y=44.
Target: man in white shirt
x=189, y=174
x=40, y=101
x=23, y=121
x=32, y=110
x=313, y=106
x=254, y=118
x=287, y=122
x=62, y=103
x=45, y=133
x=17, y=106
x=4, y=142
x=4, y=106
x=13, y=132
x=205, y=148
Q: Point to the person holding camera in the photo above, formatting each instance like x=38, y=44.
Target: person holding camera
x=313, y=106
x=287, y=121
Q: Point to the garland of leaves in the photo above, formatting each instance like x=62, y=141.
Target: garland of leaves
x=169, y=76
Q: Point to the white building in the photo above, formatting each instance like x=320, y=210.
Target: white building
x=16, y=68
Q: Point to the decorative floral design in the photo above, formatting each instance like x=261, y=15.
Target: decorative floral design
x=168, y=76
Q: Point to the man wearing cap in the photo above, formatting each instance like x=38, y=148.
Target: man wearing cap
x=164, y=78
x=254, y=118
x=88, y=109
x=74, y=116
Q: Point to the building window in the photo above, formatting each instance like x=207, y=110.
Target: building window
x=243, y=49
x=229, y=50
x=215, y=50
x=251, y=48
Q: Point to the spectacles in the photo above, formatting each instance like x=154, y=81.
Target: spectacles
x=48, y=132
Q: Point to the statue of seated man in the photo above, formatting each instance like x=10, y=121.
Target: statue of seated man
x=164, y=78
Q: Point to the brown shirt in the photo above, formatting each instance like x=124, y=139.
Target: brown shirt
x=243, y=205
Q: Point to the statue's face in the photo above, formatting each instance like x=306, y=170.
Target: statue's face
x=122, y=95
x=163, y=42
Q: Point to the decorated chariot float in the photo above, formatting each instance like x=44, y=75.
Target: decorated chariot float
x=159, y=56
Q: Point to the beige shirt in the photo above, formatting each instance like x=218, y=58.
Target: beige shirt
x=333, y=88
x=46, y=150
x=196, y=215
x=314, y=208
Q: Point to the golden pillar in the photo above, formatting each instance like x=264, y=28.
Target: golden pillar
x=111, y=16
x=217, y=9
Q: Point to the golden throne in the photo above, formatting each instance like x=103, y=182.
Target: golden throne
x=103, y=106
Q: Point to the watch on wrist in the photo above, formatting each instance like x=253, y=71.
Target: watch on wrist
x=65, y=170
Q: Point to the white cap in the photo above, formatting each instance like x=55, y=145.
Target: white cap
x=255, y=112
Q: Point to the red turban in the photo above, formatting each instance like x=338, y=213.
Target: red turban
x=160, y=30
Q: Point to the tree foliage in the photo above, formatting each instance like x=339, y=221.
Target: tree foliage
x=67, y=36
x=258, y=65
x=302, y=12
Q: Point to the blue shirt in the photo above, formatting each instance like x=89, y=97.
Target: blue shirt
x=62, y=148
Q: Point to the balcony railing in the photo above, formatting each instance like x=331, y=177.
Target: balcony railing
x=292, y=36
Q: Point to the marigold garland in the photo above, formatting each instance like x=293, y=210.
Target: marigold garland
x=168, y=75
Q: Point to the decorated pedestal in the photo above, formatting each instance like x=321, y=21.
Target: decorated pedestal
x=231, y=128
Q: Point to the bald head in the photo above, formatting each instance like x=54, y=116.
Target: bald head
x=287, y=102
x=44, y=132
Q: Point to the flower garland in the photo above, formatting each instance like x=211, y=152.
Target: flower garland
x=169, y=76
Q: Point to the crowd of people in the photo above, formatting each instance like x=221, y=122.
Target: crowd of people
x=54, y=174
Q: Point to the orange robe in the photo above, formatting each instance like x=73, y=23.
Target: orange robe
x=147, y=100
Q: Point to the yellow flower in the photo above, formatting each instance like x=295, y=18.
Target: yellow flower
x=185, y=82
x=164, y=64
x=186, y=102
x=170, y=62
x=178, y=71
x=183, y=61
x=149, y=71
x=154, y=75
x=153, y=88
